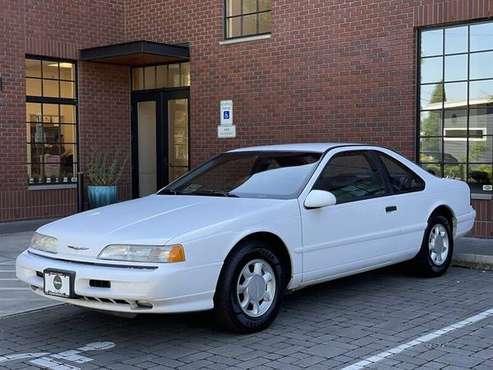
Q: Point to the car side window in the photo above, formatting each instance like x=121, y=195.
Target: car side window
x=350, y=176
x=402, y=179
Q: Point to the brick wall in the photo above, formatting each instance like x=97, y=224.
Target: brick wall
x=332, y=71
x=58, y=29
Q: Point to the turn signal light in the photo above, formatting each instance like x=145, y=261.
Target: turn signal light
x=176, y=253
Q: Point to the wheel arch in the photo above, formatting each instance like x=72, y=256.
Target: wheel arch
x=447, y=212
x=276, y=244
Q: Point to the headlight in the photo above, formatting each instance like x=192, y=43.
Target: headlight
x=44, y=243
x=144, y=253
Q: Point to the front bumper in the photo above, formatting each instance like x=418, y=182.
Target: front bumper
x=165, y=289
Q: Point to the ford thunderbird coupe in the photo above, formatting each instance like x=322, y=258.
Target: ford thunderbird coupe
x=250, y=224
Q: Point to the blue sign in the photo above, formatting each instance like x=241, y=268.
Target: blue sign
x=226, y=114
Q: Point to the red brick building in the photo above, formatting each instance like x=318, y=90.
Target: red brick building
x=145, y=80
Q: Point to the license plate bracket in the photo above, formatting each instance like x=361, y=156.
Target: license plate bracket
x=59, y=283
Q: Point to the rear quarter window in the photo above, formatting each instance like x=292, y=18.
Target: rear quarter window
x=402, y=179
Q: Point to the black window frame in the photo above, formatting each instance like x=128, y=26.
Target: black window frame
x=143, y=67
x=58, y=101
x=374, y=163
x=227, y=17
x=444, y=159
x=378, y=157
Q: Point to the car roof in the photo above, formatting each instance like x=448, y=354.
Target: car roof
x=301, y=147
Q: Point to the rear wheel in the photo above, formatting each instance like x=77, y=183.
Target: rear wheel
x=250, y=289
x=436, y=250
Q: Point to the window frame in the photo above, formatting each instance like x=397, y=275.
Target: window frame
x=378, y=157
x=372, y=161
x=143, y=67
x=443, y=163
x=58, y=101
x=241, y=15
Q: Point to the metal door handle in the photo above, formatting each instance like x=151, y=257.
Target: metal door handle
x=389, y=209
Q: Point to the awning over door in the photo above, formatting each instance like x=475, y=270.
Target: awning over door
x=136, y=53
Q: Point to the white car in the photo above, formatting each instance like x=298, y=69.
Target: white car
x=239, y=231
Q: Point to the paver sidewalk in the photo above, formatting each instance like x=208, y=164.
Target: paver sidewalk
x=474, y=252
x=15, y=296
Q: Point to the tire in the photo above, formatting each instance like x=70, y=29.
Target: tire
x=435, y=254
x=253, y=273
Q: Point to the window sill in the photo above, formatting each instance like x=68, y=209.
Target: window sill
x=479, y=196
x=52, y=187
x=245, y=39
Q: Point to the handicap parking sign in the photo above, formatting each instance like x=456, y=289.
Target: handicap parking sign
x=226, y=107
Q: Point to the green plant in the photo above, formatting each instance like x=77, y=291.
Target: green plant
x=105, y=169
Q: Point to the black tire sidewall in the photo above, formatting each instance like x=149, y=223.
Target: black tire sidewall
x=427, y=266
x=227, y=306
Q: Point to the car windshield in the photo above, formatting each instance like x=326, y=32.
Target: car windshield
x=249, y=174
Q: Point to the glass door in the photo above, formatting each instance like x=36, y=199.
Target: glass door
x=160, y=139
x=178, y=138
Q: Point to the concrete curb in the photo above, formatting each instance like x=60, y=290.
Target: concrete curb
x=475, y=261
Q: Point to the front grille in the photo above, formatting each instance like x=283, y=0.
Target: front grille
x=106, y=300
x=134, y=305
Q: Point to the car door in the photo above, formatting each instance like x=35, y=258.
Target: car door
x=409, y=202
x=355, y=233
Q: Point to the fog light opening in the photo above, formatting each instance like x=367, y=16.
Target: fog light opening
x=144, y=304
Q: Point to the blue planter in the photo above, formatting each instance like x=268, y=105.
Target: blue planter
x=100, y=196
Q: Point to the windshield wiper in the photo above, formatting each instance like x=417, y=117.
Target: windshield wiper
x=213, y=193
x=169, y=191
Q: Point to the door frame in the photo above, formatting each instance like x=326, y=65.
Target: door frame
x=161, y=97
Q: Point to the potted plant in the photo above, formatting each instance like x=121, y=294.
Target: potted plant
x=104, y=171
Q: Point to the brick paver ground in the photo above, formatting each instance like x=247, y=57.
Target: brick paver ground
x=331, y=325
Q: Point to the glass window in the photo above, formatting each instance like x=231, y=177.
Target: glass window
x=431, y=123
x=432, y=42
x=247, y=17
x=174, y=78
x=481, y=36
x=150, y=77
x=432, y=96
x=456, y=111
x=138, y=78
x=456, y=67
x=481, y=65
x=456, y=40
x=402, y=179
x=276, y=175
x=51, y=122
x=431, y=70
x=161, y=76
x=350, y=177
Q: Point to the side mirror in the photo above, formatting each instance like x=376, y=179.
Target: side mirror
x=319, y=199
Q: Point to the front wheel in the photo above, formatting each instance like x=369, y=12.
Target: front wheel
x=250, y=289
x=437, y=248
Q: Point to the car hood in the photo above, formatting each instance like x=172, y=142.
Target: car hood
x=153, y=220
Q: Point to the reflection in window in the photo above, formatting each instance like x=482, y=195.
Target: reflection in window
x=456, y=103
x=178, y=136
x=51, y=122
x=402, y=179
x=247, y=18
x=350, y=177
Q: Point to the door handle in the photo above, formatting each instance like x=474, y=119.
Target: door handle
x=389, y=209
